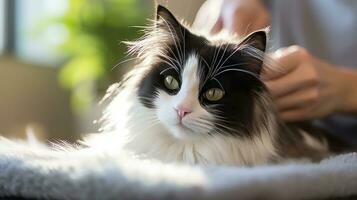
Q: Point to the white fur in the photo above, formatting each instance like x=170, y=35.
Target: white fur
x=154, y=133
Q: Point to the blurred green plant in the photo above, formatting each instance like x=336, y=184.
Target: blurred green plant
x=95, y=31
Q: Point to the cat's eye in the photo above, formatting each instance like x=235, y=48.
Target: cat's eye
x=171, y=83
x=214, y=94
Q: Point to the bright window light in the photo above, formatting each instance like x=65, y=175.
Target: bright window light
x=2, y=26
x=36, y=43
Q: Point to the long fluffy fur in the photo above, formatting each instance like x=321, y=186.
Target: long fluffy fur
x=128, y=125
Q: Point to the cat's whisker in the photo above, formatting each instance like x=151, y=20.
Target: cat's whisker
x=216, y=111
x=178, y=47
x=219, y=62
x=183, y=35
x=213, y=110
x=234, y=65
x=123, y=62
x=205, y=61
x=205, y=127
x=184, y=43
x=223, y=120
x=197, y=127
x=217, y=132
x=228, y=58
x=252, y=51
x=171, y=51
x=204, y=122
x=163, y=53
x=173, y=61
x=215, y=105
x=225, y=132
x=174, y=67
x=239, y=70
x=218, y=83
x=202, y=71
x=214, y=65
x=212, y=62
x=217, y=124
x=163, y=71
x=146, y=98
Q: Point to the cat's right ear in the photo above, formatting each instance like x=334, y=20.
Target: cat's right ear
x=166, y=21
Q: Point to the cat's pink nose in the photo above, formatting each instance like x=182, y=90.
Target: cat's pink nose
x=182, y=111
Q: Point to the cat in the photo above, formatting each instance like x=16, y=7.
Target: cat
x=199, y=99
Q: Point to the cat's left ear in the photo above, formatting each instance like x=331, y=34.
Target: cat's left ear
x=256, y=40
x=166, y=21
x=256, y=46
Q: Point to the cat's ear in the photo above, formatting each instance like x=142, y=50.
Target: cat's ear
x=257, y=40
x=255, y=49
x=166, y=21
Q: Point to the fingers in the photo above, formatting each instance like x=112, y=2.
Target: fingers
x=272, y=68
x=297, y=114
x=301, y=77
x=285, y=61
x=305, y=88
x=297, y=100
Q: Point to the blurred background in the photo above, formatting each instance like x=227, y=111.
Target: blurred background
x=58, y=57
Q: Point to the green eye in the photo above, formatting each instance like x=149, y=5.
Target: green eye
x=171, y=83
x=214, y=94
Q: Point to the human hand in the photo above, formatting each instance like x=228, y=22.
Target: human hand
x=308, y=88
x=237, y=16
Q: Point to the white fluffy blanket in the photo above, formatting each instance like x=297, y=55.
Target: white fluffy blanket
x=30, y=170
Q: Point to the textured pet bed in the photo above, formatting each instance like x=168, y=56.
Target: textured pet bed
x=34, y=171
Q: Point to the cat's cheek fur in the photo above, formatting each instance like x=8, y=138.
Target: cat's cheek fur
x=165, y=112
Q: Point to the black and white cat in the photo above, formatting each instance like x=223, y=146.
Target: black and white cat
x=200, y=100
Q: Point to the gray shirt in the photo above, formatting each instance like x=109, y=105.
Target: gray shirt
x=328, y=29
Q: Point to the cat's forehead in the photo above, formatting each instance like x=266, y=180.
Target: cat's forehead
x=207, y=54
x=218, y=55
x=205, y=50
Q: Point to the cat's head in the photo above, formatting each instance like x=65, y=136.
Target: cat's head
x=197, y=87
